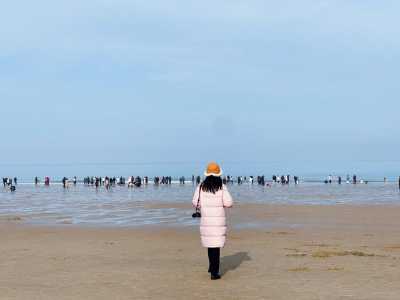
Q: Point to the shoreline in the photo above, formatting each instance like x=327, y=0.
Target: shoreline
x=243, y=215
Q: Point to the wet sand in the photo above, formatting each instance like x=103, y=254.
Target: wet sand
x=310, y=252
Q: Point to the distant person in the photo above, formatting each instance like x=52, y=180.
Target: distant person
x=340, y=180
x=138, y=181
x=107, y=182
x=354, y=179
x=130, y=181
x=65, y=182
x=36, y=180
x=212, y=197
x=75, y=180
x=15, y=180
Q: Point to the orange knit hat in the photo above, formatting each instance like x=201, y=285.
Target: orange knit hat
x=213, y=169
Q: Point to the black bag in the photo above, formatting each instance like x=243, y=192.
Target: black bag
x=197, y=213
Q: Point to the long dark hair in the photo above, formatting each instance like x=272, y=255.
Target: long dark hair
x=211, y=184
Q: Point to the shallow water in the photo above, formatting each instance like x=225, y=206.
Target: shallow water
x=122, y=206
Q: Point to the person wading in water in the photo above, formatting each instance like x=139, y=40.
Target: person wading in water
x=211, y=198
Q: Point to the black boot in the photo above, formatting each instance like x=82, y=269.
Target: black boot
x=213, y=256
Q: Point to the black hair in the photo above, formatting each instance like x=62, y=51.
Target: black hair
x=212, y=184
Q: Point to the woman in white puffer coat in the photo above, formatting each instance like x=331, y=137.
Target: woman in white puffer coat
x=212, y=197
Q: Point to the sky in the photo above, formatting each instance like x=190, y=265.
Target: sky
x=292, y=85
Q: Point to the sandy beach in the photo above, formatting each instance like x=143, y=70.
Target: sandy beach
x=309, y=252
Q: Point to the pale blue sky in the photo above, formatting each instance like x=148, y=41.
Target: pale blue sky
x=307, y=82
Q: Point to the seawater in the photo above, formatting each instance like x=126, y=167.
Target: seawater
x=122, y=206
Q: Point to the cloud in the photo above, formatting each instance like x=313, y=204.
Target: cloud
x=117, y=25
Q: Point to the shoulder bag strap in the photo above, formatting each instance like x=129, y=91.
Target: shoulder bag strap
x=198, y=200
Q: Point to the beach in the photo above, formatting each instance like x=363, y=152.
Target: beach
x=127, y=124
x=303, y=252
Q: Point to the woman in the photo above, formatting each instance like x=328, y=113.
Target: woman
x=212, y=197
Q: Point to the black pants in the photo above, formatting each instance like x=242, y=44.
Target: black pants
x=213, y=258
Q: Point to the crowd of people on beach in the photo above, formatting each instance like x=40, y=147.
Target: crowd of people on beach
x=138, y=181
x=260, y=180
x=354, y=180
x=132, y=181
x=109, y=182
x=10, y=183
